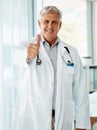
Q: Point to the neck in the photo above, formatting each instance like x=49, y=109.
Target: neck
x=51, y=42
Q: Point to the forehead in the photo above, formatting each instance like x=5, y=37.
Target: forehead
x=51, y=16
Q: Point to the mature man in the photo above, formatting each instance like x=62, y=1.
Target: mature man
x=54, y=83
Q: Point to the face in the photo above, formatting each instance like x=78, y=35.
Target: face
x=50, y=25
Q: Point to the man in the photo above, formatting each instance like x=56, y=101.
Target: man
x=54, y=82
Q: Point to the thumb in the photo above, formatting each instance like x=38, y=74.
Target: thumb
x=38, y=38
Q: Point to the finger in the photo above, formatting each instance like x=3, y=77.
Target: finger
x=31, y=53
x=38, y=38
x=33, y=47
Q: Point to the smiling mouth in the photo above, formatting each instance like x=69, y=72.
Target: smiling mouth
x=49, y=33
x=49, y=30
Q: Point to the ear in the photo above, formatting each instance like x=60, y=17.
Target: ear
x=60, y=24
x=39, y=23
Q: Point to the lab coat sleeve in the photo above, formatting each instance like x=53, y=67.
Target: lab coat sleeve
x=81, y=99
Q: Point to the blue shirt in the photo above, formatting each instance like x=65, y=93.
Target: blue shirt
x=52, y=53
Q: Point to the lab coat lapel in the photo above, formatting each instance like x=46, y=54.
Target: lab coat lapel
x=43, y=53
x=64, y=53
x=62, y=121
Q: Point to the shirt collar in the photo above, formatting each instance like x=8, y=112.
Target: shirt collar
x=45, y=42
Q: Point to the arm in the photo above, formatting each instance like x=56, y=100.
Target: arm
x=33, y=48
x=81, y=99
x=26, y=51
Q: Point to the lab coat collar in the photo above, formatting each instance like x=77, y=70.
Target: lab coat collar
x=56, y=42
x=43, y=51
x=64, y=53
x=62, y=49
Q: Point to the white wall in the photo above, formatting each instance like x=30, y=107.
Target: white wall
x=95, y=30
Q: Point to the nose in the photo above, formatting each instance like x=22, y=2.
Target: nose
x=50, y=24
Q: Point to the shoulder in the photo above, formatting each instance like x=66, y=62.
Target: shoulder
x=71, y=48
x=73, y=52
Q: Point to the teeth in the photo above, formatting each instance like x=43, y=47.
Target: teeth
x=49, y=30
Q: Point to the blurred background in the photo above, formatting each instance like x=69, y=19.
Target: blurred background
x=18, y=21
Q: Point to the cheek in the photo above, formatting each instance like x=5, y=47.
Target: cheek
x=42, y=26
x=57, y=29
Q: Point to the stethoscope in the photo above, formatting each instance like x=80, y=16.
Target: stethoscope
x=69, y=62
x=38, y=60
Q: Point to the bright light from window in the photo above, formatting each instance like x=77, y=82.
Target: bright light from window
x=74, y=23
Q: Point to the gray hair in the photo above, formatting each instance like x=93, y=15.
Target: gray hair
x=51, y=9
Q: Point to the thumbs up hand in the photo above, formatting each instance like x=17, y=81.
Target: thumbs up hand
x=33, y=48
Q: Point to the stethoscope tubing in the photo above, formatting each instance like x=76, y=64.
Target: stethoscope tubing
x=69, y=62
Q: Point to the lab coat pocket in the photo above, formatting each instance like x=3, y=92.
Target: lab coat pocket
x=23, y=113
x=68, y=111
x=28, y=115
x=67, y=82
x=68, y=75
x=69, y=69
x=66, y=115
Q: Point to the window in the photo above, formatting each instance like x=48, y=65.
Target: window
x=74, y=27
x=13, y=28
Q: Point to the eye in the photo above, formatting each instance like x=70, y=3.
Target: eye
x=46, y=22
x=55, y=22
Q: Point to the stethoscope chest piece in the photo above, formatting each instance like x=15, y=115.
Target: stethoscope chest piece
x=38, y=60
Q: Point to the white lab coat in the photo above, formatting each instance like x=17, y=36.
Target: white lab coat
x=34, y=104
